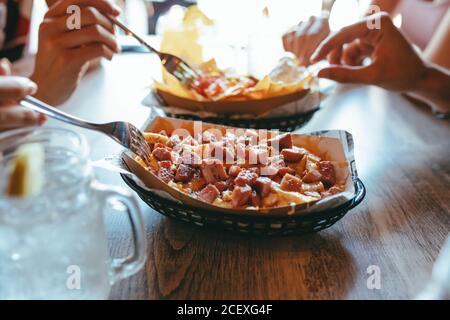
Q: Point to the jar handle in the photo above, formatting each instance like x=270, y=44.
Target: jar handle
x=125, y=267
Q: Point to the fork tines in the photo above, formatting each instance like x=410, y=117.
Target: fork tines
x=178, y=68
x=139, y=145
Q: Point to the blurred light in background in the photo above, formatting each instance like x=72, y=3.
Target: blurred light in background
x=398, y=20
x=344, y=12
x=241, y=31
x=135, y=15
x=237, y=18
x=243, y=24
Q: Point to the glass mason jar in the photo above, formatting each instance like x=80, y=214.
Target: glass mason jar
x=53, y=245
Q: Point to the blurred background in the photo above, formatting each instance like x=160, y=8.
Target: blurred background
x=235, y=29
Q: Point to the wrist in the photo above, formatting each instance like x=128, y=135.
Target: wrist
x=325, y=14
x=432, y=88
x=43, y=93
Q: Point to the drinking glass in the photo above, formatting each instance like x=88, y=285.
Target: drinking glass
x=53, y=245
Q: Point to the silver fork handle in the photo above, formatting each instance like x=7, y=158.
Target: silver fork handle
x=122, y=26
x=41, y=107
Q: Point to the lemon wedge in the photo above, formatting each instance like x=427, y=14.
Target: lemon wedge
x=27, y=172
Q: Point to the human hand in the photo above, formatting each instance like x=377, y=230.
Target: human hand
x=395, y=65
x=12, y=90
x=63, y=55
x=303, y=39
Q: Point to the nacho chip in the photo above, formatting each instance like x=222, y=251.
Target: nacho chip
x=193, y=14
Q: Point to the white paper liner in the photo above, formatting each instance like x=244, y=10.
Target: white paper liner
x=116, y=164
x=339, y=199
x=308, y=103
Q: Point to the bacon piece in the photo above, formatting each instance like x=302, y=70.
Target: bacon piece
x=246, y=177
x=255, y=200
x=328, y=173
x=160, y=145
x=285, y=141
x=275, y=164
x=291, y=183
x=213, y=170
x=184, y=173
x=269, y=171
x=312, y=176
x=209, y=194
x=263, y=185
x=173, y=141
x=234, y=171
x=221, y=186
x=230, y=182
x=240, y=196
x=165, y=164
x=291, y=155
x=286, y=170
x=332, y=191
x=162, y=154
x=165, y=171
x=282, y=141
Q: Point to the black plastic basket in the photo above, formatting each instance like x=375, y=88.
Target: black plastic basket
x=252, y=224
x=286, y=124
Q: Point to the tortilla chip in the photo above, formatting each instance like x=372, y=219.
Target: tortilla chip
x=194, y=14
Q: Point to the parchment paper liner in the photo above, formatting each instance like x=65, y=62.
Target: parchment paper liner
x=335, y=146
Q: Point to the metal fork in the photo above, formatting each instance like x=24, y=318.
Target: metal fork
x=174, y=65
x=124, y=133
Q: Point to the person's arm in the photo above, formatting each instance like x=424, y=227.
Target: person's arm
x=438, y=49
x=51, y=2
x=64, y=54
x=388, y=6
x=433, y=88
x=327, y=5
x=395, y=64
x=304, y=38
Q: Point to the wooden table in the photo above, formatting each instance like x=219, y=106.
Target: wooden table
x=402, y=155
